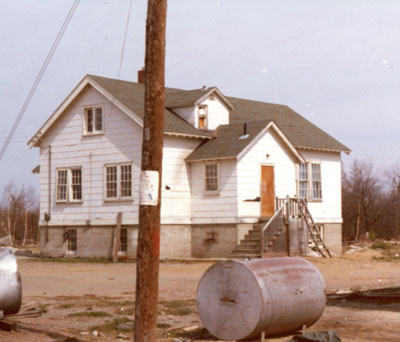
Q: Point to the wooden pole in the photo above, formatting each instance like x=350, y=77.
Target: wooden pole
x=148, y=249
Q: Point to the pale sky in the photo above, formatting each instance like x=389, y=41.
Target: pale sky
x=334, y=62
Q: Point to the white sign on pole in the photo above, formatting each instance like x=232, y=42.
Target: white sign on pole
x=148, y=190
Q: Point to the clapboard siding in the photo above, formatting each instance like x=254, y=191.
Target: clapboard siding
x=219, y=208
x=218, y=113
x=249, y=172
x=330, y=208
x=121, y=142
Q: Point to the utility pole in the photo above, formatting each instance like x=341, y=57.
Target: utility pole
x=148, y=250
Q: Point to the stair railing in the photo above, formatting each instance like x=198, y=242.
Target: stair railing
x=277, y=222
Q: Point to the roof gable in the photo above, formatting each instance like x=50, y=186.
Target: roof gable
x=230, y=141
x=129, y=98
x=186, y=98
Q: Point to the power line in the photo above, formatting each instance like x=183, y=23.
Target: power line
x=39, y=77
x=121, y=59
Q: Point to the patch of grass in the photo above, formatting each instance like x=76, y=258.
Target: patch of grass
x=112, y=326
x=163, y=325
x=71, y=260
x=66, y=306
x=201, y=334
x=380, y=244
x=43, y=307
x=178, y=307
x=90, y=314
x=387, y=257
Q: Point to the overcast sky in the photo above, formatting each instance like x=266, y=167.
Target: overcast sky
x=334, y=62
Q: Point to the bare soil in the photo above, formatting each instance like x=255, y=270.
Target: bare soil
x=86, y=301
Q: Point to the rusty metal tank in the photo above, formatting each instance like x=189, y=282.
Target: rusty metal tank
x=10, y=283
x=239, y=299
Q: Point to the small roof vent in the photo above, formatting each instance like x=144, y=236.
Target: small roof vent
x=245, y=135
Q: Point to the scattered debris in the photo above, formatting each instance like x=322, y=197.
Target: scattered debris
x=317, y=336
x=122, y=336
x=191, y=328
x=126, y=326
x=5, y=241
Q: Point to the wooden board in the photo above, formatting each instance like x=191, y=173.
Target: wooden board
x=117, y=236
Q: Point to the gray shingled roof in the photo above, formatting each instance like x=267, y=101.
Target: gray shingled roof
x=299, y=131
x=227, y=143
x=131, y=94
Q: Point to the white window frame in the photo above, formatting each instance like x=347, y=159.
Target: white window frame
x=69, y=198
x=119, y=181
x=302, y=180
x=310, y=180
x=211, y=192
x=205, y=116
x=95, y=120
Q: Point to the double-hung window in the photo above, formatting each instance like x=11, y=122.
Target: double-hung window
x=69, y=185
x=118, y=181
x=211, y=177
x=316, y=181
x=93, y=120
x=309, y=182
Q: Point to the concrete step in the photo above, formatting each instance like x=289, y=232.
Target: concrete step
x=249, y=243
x=244, y=256
x=246, y=249
x=251, y=237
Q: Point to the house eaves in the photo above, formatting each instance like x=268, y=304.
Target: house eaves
x=230, y=141
x=87, y=80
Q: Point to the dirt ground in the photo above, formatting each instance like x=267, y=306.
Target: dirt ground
x=86, y=301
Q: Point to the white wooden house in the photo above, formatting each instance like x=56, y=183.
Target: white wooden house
x=225, y=160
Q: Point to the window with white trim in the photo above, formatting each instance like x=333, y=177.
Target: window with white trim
x=118, y=181
x=309, y=182
x=69, y=185
x=316, y=181
x=303, y=181
x=202, y=116
x=93, y=120
x=211, y=177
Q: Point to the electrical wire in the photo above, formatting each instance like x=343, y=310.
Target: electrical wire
x=39, y=77
x=121, y=60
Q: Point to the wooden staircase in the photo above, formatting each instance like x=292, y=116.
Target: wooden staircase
x=262, y=237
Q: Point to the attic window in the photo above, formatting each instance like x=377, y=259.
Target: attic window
x=212, y=97
x=202, y=116
x=93, y=120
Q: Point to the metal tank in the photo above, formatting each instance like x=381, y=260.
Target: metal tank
x=239, y=299
x=10, y=283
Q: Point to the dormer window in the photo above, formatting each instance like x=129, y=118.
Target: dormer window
x=202, y=116
x=93, y=120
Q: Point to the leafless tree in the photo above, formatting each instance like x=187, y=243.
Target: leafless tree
x=18, y=213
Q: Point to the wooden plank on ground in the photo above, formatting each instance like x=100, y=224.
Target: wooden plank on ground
x=117, y=237
x=7, y=325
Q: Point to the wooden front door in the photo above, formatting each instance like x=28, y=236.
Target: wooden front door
x=267, y=191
